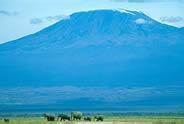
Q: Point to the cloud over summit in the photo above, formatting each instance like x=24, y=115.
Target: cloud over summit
x=171, y=19
x=140, y=21
x=57, y=17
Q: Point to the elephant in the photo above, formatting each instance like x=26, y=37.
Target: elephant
x=6, y=120
x=49, y=117
x=76, y=115
x=98, y=118
x=63, y=117
x=87, y=118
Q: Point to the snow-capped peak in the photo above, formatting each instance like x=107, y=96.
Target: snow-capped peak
x=124, y=11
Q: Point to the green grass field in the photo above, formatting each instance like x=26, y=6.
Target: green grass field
x=108, y=120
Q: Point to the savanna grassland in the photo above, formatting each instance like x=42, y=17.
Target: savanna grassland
x=107, y=120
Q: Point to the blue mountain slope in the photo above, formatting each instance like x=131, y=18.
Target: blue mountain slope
x=96, y=48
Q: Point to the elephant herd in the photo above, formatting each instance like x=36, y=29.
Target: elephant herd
x=5, y=119
x=75, y=116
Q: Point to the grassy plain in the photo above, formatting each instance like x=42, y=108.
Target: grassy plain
x=108, y=120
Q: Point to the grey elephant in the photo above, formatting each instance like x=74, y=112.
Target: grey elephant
x=6, y=120
x=76, y=115
x=63, y=117
x=87, y=118
x=98, y=118
x=49, y=117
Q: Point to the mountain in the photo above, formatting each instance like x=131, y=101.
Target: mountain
x=96, y=48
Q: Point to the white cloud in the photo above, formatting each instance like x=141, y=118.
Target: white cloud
x=171, y=19
x=7, y=13
x=140, y=21
x=57, y=18
x=36, y=21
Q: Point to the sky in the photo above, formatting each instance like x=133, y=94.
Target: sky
x=22, y=17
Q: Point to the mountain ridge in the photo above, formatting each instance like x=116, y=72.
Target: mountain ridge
x=46, y=33
x=96, y=48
